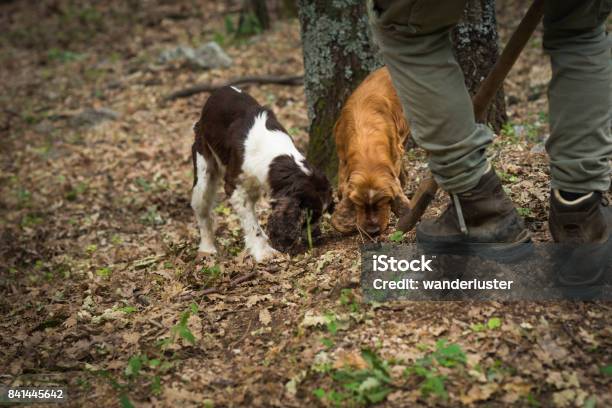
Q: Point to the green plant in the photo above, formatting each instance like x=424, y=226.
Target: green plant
x=308, y=228
x=152, y=216
x=606, y=370
x=347, y=298
x=327, y=342
x=499, y=370
x=212, y=274
x=229, y=25
x=104, y=272
x=127, y=309
x=331, y=323
x=426, y=368
x=150, y=369
x=396, y=237
x=119, y=386
x=23, y=197
x=515, y=133
x=491, y=324
x=248, y=25
x=55, y=54
x=507, y=130
x=181, y=329
x=143, y=184
x=219, y=38
x=494, y=323
x=222, y=210
x=511, y=178
x=364, y=386
x=31, y=220
x=524, y=212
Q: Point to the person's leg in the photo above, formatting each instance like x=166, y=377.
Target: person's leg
x=580, y=99
x=580, y=144
x=580, y=94
x=414, y=39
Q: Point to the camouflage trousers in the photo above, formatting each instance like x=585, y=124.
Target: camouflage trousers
x=414, y=39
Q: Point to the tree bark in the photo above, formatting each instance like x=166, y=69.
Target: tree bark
x=476, y=47
x=338, y=55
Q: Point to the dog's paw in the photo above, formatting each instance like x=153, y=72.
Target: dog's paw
x=205, y=250
x=344, y=225
x=343, y=218
x=264, y=253
x=202, y=256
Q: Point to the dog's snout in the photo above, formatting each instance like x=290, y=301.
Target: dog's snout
x=372, y=229
x=372, y=225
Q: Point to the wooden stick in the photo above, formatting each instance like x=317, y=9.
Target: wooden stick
x=231, y=285
x=422, y=198
x=290, y=80
x=489, y=87
x=487, y=90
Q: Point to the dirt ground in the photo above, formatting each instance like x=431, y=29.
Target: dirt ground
x=100, y=287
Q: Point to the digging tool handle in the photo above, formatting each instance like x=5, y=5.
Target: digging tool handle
x=422, y=198
x=511, y=52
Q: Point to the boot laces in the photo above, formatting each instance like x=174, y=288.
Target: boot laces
x=460, y=218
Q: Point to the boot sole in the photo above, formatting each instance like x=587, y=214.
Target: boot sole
x=506, y=253
x=584, y=265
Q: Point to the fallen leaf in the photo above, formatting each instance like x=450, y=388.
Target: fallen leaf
x=254, y=299
x=264, y=317
x=311, y=319
x=564, y=398
x=479, y=393
x=350, y=359
x=131, y=337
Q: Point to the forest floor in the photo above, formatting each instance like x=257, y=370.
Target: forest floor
x=100, y=286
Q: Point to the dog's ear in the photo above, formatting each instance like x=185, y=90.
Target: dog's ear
x=285, y=223
x=344, y=217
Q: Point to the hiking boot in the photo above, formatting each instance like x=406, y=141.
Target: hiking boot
x=586, y=220
x=481, y=221
x=583, y=227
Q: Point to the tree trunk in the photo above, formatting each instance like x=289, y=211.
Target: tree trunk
x=288, y=9
x=260, y=9
x=476, y=48
x=338, y=55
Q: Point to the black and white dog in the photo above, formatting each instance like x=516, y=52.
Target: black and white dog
x=242, y=142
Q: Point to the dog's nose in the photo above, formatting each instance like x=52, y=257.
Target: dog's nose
x=372, y=229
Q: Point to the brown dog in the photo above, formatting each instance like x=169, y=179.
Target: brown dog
x=370, y=136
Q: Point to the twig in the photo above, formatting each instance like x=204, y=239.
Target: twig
x=231, y=285
x=360, y=234
x=291, y=80
x=209, y=291
x=155, y=323
x=361, y=231
x=243, y=279
x=246, y=333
